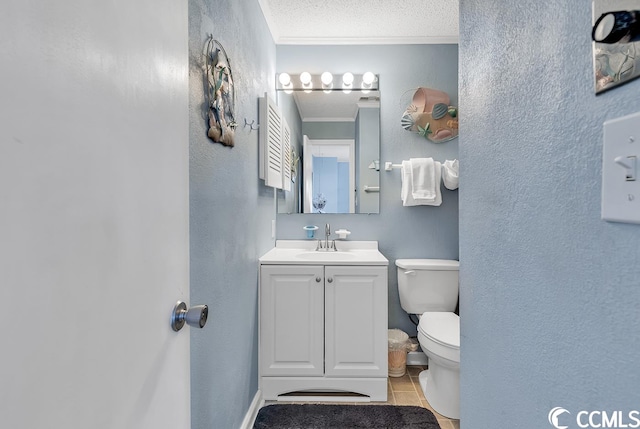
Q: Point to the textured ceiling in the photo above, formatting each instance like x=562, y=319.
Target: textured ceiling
x=361, y=21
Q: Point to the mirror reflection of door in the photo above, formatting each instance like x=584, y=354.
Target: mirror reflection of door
x=329, y=176
x=337, y=116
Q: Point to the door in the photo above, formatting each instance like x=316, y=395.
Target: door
x=93, y=214
x=329, y=176
x=356, y=321
x=291, y=320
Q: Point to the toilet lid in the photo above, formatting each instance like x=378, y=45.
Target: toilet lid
x=428, y=264
x=442, y=327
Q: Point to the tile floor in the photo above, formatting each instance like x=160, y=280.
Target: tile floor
x=406, y=390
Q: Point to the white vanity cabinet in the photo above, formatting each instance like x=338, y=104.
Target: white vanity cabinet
x=323, y=328
x=291, y=320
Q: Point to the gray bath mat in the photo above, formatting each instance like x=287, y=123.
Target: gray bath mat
x=312, y=416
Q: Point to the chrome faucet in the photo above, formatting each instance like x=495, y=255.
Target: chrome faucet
x=327, y=233
x=326, y=246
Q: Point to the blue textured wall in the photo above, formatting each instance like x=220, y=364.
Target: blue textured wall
x=402, y=232
x=231, y=213
x=549, y=291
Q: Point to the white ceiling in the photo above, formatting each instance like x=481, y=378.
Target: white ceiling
x=361, y=21
x=336, y=106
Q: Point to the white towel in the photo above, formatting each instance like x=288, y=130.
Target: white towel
x=406, y=193
x=423, y=179
x=438, y=174
x=407, y=187
x=451, y=174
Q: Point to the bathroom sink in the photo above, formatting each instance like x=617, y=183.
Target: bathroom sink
x=302, y=252
x=326, y=256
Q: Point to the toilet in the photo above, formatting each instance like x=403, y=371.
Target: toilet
x=428, y=288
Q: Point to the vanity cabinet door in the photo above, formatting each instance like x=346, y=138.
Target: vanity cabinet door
x=291, y=320
x=356, y=321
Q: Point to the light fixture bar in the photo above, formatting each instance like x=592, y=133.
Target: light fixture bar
x=292, y=82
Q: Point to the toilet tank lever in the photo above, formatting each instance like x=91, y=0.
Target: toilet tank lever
x=410, y=272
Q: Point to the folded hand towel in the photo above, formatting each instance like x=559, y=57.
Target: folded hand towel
x=423, y=179
x=407, y=187
x=438, y=173
x=407, y=192
x=451, y=174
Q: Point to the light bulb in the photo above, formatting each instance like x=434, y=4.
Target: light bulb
x=368, y=78
x=305, y=78
x=284, y=79
x=327, y=82
x=347, y=79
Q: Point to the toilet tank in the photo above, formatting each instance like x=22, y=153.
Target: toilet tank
x=427, y=284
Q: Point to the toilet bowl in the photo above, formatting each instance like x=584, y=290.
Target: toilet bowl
x=439, y=338
x=428, y=288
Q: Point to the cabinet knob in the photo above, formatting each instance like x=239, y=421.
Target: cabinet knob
x=318, y=279
x=330, y=279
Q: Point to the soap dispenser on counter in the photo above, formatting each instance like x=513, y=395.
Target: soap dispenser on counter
x=342, y=233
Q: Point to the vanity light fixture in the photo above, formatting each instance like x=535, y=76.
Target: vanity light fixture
x=327, y=82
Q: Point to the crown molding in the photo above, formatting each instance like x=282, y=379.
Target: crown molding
x=434, y=40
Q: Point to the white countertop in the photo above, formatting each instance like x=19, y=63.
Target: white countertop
x=303, y=252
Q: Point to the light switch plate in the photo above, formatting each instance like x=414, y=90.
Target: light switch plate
x=620, y=196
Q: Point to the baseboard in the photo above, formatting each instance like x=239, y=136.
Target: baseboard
x=275, y=388
x=417, y=358
x=252, y=412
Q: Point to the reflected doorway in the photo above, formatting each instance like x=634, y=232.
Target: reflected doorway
x=329, y=176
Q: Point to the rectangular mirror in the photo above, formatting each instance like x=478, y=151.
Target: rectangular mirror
x=335, y=139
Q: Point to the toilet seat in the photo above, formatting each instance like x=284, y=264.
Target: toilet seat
x=439, y=333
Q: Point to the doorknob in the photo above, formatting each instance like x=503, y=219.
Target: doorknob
x=196, y=316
